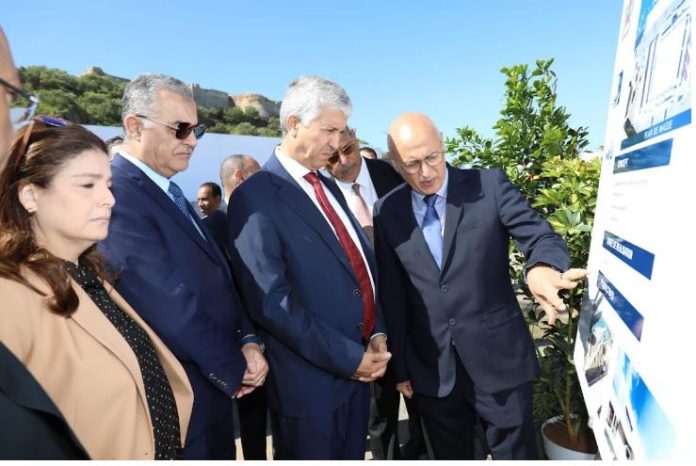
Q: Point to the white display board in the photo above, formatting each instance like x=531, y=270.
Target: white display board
x=637, y=335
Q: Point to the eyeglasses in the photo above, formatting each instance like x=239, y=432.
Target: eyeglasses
x=24, y=114
x=182, y=130
x=46, y=120
x=415, y=166
x=345, y=150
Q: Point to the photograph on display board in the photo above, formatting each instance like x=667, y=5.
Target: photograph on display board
x=636, y=419
x=659, y=91
x=597, y=352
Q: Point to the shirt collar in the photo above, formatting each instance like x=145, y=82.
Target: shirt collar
x=158, y=179
x=442, y=192
x=293, y=167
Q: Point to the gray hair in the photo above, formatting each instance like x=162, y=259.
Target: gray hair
x=140, y=94
x=229, y=165
x=307, y=95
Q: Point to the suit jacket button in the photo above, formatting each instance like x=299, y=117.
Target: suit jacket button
x=361, y=325
x=356, y=292
x=444, y=288
x=453, y=322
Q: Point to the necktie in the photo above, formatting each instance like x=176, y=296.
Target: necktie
x=351, y=250
x=432, y=229
x=179, y=198
x=362, y=213
x=182, y=204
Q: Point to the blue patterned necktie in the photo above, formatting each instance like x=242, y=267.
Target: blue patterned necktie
x=432, y=229
x=179, y=198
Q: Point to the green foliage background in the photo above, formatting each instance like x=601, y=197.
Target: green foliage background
x=96, y=100
x=540, y=153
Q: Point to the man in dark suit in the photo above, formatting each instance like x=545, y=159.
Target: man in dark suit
x=362, y=181
x=209, y=198
x=253, y=408
x=171, y=270
x=307, y=278
x=460, y=342
x=32, y=428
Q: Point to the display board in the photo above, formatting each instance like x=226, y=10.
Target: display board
x=637, y=334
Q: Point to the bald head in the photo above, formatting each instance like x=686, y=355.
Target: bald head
x=415, y=147
x=234, y=170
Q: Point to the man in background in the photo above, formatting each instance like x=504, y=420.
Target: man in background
x=171, y=270
x=234, y=170
x=209, y=198
x=368, y=153
x=252, y=408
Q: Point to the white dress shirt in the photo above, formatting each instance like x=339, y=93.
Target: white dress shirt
x=297, y=171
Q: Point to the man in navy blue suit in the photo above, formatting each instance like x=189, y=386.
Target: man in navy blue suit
x=460, y=343
x=308, y=280
x=171, y=269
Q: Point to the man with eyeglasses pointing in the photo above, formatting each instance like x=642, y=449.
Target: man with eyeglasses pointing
x=172, y=269
x=460, y=344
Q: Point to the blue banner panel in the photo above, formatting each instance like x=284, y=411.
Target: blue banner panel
x=625, y=310
x=670, y=124
x=656, y=155
x=637, y=258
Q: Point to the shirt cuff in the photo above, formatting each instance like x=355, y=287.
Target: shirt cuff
x=251, y=338
x=378, y=334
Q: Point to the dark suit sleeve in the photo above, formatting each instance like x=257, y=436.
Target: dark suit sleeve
x=259, y=263
x=150, y=281
x=392, y=297
x=532, y=233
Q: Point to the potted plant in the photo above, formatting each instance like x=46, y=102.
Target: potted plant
x=541, y=154
x=557, y=394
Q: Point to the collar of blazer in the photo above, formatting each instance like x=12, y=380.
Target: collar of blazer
x=292, y=195
x=463, y=186
x=167, y=205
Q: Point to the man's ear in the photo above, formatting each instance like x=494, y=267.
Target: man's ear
x=27, y=197
x=291, y=123
x=132, y=125
x=238, y=175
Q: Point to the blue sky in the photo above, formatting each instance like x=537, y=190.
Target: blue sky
x=442, y=58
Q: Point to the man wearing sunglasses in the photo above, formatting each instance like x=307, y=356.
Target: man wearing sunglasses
x=171, y=268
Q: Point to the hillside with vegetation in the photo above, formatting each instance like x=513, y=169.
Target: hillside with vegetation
x=95, y=99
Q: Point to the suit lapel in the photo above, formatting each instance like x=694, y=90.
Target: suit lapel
x=407, y=219
x=453, y=213
x=291, y=194
x=93, y=321
x=166, y=204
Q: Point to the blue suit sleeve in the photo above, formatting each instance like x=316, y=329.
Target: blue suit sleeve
x=532, y=233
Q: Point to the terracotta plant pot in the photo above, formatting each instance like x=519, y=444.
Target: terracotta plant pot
x=554, y=451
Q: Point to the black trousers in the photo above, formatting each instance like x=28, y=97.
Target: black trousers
x=450, y=422
x=253, y=412
x=384, y=419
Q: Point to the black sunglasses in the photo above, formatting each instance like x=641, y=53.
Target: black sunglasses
x=181, y=130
